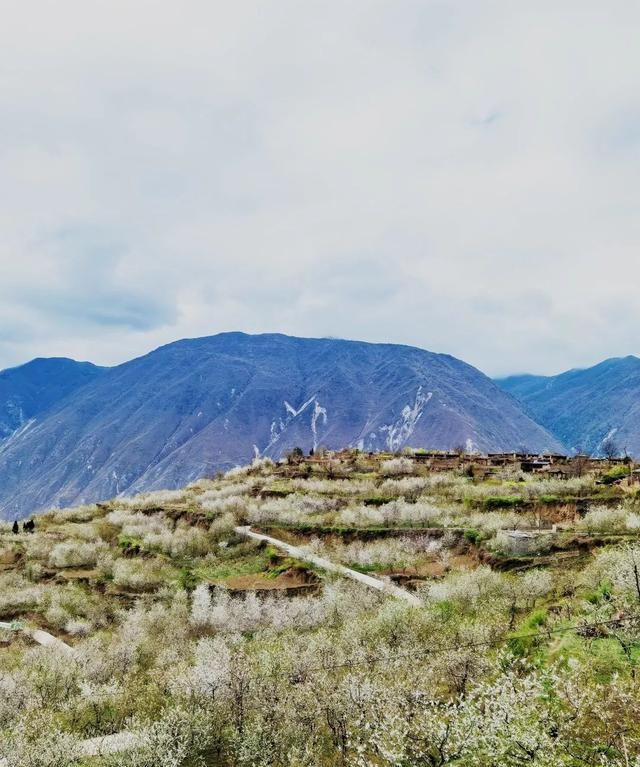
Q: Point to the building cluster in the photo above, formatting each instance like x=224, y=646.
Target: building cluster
x=484, y=465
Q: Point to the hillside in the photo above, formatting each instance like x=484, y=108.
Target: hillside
x=366, y=611
x=582, y=408
x=194, y=407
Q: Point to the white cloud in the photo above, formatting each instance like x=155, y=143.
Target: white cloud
x=460, y=176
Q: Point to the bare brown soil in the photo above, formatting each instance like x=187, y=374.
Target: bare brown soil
x=9, y=558
x=81, y=575
x=290, y=581
x=435, y=568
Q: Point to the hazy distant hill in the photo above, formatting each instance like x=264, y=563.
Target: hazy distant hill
x=584, y=407
x=197, y=406
x=31, y=389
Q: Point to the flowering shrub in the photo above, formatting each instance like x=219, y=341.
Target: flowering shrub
x=138, y=574
x=335, y=487
x=231, y=614
x=602, y=520
x=395, y=466
x=153, y=500
x=75, y=554
x=491, y=667
x=393, y=513
x=18, y=594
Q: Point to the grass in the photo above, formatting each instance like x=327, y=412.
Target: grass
x=259, y=562
x=522, y=645
x=372, y=567
x=282, y=565
x=265, y=561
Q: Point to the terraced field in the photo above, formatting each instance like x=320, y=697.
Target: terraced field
x=362, y=611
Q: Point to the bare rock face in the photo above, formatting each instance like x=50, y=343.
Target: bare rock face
x=195, y=407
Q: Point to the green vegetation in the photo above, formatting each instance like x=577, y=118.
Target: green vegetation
x=614, y=474
x=250, y=560
x=208, y=648
x=472, y=535
x=502, y=502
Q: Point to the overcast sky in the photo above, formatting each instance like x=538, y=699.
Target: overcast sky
x=461, y=175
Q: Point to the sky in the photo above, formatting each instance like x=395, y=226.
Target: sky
x=459, y=175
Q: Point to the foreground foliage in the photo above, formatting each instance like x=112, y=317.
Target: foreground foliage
x=198, y=647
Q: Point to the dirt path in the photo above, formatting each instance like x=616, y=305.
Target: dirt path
x=103, y=746
x=126, y=741
x=326, y=564
x=47, y=640
x=40, y=637
x=109, y=744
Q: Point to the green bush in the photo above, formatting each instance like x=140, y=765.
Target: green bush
x=187, y=579
x=130, y=545
x=601, y=594
x=472, y=535
x=614, y=474
x=502, y=502
x=535, y=619
x=377, y=500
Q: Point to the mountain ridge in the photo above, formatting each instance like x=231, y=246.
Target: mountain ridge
x=197, y=406
x=584, y=407
x=28, y=390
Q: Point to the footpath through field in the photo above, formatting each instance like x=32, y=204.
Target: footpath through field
x=101, y=746
x=39, y=637
x=126, y=741
x=299, y=553
x=104, y=745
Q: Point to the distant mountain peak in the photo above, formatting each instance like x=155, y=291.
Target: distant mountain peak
x=584, y=407
x=31, y=389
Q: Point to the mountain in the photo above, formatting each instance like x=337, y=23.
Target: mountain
x=30, y=390
x=582, y=408
x=198, y=406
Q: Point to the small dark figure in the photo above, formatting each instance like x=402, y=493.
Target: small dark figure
x=15, y=528
x=29, y=526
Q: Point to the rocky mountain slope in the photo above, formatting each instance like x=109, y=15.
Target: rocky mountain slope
x=583, y=408
x=29, y=390
x=198, y=406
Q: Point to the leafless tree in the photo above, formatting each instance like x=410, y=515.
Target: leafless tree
x=609, y=448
